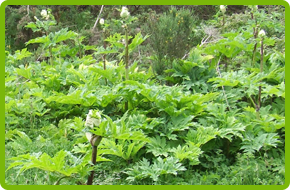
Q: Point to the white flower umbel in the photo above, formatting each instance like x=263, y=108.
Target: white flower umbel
x=44, y=14
x=93, y=118
x=102, y=21
x=262, y=33
x=124, y=13
x=223, y=9
x=254, y=8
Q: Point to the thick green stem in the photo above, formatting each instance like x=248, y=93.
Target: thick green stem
x=255, y=46
x=126, y=54
x=255, y=33
x=261, y=70
x=259, y=104
x=126, y=61
x=256, y=106
x=262, y=56
x=104, y=58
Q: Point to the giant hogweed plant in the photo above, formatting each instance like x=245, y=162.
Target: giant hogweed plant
x=71, y=78
x=63, y=77
x=66, y=165
x=50, y=39
x=247, y=43
x=243, y=42
x=119, y=41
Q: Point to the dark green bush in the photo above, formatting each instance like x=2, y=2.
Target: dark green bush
x=170, y=36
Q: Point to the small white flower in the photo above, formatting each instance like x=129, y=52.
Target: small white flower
x=123, y=42
x=102, y=21
x=43, y=13
x=36, y=18
x=47, y=17
x=124, y=13
x=222, y=8
x=262, y=33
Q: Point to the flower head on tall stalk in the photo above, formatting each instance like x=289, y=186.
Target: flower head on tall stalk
x=44, y=14
x=253, y=8
x=93, y=119
x=124, y=13
x=262, y=33
x=223, y=9
x=104, y=26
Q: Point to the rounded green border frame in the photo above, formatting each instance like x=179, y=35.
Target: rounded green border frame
x=131, y=2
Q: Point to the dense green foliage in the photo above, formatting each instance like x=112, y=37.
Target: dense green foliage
x=182, y=100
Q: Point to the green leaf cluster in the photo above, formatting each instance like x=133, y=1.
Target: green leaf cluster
x=160, y=167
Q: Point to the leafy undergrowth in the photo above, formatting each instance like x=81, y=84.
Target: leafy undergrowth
x=215, y=117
